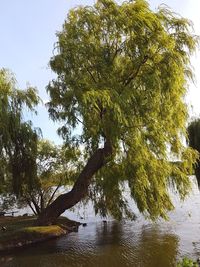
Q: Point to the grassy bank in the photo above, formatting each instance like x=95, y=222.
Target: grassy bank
x=20, y=231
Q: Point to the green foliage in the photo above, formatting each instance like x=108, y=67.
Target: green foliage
x=194, y=142
x=122, y=72
x=17, y=138
x=56, y=167
x=186, y=262
x=194, y=134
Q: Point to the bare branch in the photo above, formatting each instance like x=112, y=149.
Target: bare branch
x=53, y=194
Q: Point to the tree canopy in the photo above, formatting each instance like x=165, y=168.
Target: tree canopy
x=32, y=170
x=18, y=140
x=122, y=74
x=194, y=142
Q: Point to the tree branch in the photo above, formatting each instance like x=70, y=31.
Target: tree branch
x=91, y=75
x=53, y=194
x=29, y=203
x=134, y=74
x=80, y=188
x=37, y=208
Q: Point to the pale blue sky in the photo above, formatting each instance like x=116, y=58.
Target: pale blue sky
x=27, y=36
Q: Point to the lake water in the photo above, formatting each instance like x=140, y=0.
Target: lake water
x=138, y=243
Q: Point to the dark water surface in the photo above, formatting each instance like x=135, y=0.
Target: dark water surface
x=137, y=243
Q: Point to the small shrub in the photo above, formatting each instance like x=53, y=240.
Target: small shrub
x=186, y=262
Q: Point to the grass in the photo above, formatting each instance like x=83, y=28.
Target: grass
x=53, y=229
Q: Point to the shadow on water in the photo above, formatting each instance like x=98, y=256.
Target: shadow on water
x=110, y=244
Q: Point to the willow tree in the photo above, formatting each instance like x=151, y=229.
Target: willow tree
x=122, y=73
x=56, y=166
x=194, y=142
x=18, y=141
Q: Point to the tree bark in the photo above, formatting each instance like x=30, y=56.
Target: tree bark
x=197, y=172
x=29, y=204
x=80, y=188
x=36, y=206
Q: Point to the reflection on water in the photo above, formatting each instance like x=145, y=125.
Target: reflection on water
x=111, y=244
x=115, y=244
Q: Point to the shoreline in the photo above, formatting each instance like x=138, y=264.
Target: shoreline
x=19, y=232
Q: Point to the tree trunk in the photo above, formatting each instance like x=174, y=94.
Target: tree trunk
x=197, y=172
x=80, y=188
